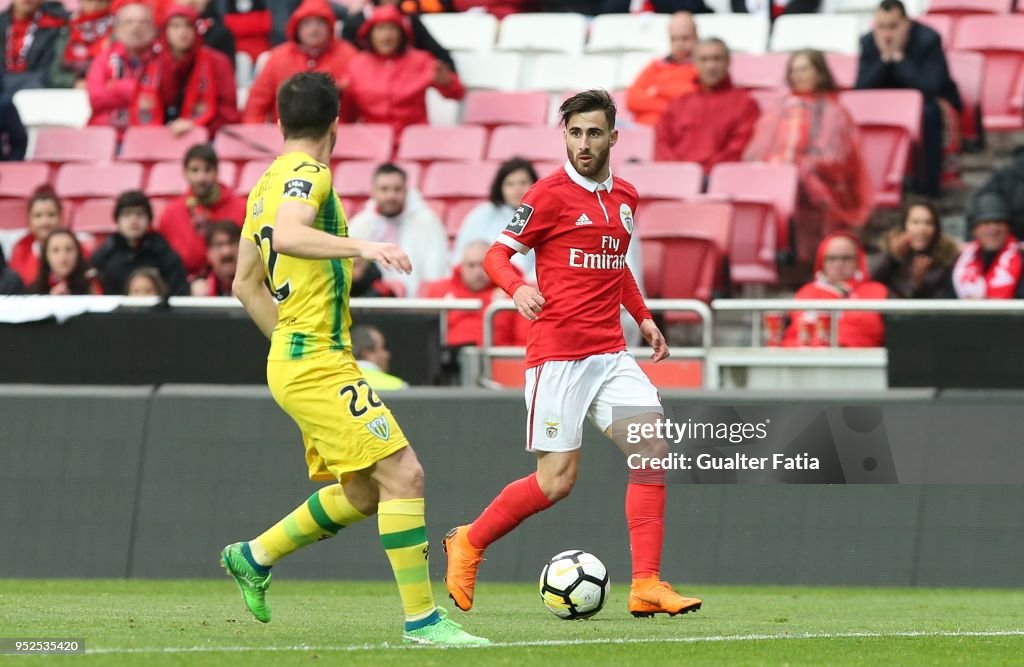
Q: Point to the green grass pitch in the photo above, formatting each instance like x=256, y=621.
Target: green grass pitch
x=156, y=623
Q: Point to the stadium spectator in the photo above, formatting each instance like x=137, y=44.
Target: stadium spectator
x=840, y=272
x=10, y=282
x=63, y=269
x=185, y=220
x=45, y=215
x=421, y=38
x=311, y=47
x=916, y=261
x=222, y=239
x=665, y=78
x=470, y=281
x=212, y=29
x=80, y=41
x=135, y=245
x=114, y=73
x=1008, y=183
x=186, y=84
x=394, y=215
x=13, y=136
x=367, y=280
x=388, y=82
x=711, y=124
x=811, y=129
x=146, y=281
x=513, y=178
x=249, y=22
x=29, y=30
x=989, y=267
x=773, y=9
x=371, y=352
x=900, y=53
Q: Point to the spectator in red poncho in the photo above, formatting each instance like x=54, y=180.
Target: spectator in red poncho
x=412, y=9
x=990, y=266
x=114, y=73
x=840, y=272
x=186, y=219
x=811, y=129
x=311, y=47
x=388, y=82
x=713, y=123
x=470, y=281
x=81, y=40
x=187, y=84
x=29, y=30
x=45, y=215
x=666, y=78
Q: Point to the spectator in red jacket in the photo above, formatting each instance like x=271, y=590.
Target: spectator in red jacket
x=470, y=281
x=665, y=78
x=713, y=123
x=114, y=73
x=45, y=215
x=311, y=47
x=388, y=82
x=81, y=40
x=186, y=219
x=222, y=240
x=186, y=84
x=840, y=272
x=63, y=269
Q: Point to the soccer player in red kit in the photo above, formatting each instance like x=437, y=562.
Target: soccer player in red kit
x=579, y=222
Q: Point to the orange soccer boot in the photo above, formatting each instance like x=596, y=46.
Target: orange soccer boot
x=651, y=596
x=463, y=563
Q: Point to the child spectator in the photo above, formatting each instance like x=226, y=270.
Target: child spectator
x=146, y=281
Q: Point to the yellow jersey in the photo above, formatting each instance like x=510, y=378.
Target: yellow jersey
x=312, y=295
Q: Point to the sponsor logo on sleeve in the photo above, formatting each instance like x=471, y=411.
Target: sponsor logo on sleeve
x=519, y=220
x=298, y=188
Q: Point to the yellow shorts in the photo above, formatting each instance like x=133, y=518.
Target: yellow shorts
x=345, y=426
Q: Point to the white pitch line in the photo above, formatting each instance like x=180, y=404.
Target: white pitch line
x=567, y=642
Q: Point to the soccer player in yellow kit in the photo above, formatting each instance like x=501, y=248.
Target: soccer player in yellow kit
x=293, y=277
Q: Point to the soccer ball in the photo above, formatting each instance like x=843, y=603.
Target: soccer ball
x=574, y=585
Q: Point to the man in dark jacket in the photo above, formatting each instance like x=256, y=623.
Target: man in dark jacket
x=29, y=30
x=1008, y=184
x=136, y=245
x=421, y=37
x=900, y=53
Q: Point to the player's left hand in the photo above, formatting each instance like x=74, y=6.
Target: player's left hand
x=387, y=255
x=649, y=330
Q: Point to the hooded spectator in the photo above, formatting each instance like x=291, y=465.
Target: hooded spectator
x=388, y=82
x=114, y=73
x=63, y=269
x=421, y=37
x=916, y=261
x=1008, y=183
x=666, y=78
x=81, y=40
x=311, y=47
x=989, y=267
x=45, y=215
x=840, y=272
x=29, y=30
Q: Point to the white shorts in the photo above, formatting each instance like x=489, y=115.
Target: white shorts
x=560, y=394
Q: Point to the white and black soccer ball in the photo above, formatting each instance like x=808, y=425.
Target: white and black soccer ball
x=574, y=585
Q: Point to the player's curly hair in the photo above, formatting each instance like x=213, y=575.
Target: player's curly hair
x=595, y=99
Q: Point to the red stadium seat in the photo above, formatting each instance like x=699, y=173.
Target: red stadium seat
x=844, y=69
x=968, y=7
x=13, y=214
x=635, y=144
x=491, y=108
x=454, y=181
x=363, y=142
x=457, y=212
x=999, y=39
x=153, y=144
x=439, y=207
x=248, y=142
x=531, y=143
x=354, y=179
x=250, y=174
x=712, y=220
x=95, y=216
x=78, y=181
x=890, y=123
x=944, y=24
x=968, y=71
x=680, y=266
x=548, y=167
x=65, y=144
x=664, y=180
x=429, y=143
x=762, y=70
x=19, y=179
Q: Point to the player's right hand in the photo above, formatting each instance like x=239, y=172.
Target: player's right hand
x=528, y=301
x=387, y=255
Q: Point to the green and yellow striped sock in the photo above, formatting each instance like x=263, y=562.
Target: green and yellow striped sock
x=403, y=532
x=325, y=513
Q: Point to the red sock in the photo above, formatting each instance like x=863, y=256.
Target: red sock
x=645, y=516
x=517, y=501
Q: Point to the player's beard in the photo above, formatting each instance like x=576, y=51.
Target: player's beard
x=595, y=166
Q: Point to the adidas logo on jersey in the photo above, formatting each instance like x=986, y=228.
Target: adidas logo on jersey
x=583, y=220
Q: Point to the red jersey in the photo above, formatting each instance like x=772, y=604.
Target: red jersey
x=580, y=230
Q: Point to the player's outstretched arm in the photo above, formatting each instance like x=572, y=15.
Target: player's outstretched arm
x=250, y=289
x=295, y=236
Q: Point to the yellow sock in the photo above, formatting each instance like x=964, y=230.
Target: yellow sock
x=403, y=532
x=325, y=513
